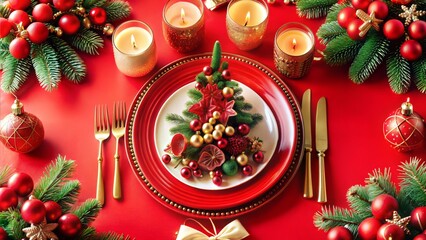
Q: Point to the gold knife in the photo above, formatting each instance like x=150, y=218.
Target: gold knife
x=306, y=114
x=321, y=143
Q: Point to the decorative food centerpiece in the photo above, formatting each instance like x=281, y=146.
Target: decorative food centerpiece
x=212, y=134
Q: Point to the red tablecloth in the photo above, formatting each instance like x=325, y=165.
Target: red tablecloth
x=356, y=144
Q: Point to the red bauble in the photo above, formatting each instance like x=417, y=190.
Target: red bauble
x=402, y=2
x=195, y=125
x=3, y=234
x=19, y=48
x=53, y=211
x=382, y=206
x=403, y=132
x=8, y=198
x=411, y=50
x=258, y=156
x=339, y=233
x=353, y=29
x=417, y=30
x=5, y=27
x=21, y=183
x=345, y=16
x=19, y=4
x=226, y=74
x=244, y=129
x=418, y=218
x=98, y=15
x=45, y=1
x=69, y=225
x=379, y=8
x=368, y=228
x=63, y=5
x=390, y=231
x=42, y=13
x=222, y=143
x=217, y=180
x=69, y=23
x=247, y=170
x=421, y=236
x=33, y=211
x=361, y=4
x=37, y=32
x=19, y=16
x=186, y=172
x=393, y=29
x=166, y=158
x=20, y=131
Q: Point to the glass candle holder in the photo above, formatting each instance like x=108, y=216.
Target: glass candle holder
x=246, y=22
x=183, y=24
x=294, y=48
x=134, y=48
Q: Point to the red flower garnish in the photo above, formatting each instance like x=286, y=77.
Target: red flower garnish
x=211, y=93
x=201, y=109
x=225, y=108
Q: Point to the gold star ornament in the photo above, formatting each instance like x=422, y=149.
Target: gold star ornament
x=411, y=14
x=42, y=231
x=369, y=21
x=401, y=222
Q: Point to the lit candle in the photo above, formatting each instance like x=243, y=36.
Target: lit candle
x=183, y=24
x=246, y=22
x=294, y=49
x=134, y=48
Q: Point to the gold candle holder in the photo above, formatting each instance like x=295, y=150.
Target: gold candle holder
x=246, y=22
x=183, y=24
x=134, y=48
x=294, y=48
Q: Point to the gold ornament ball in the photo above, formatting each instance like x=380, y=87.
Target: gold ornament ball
x=220, y=127
x=58, y=31
x=242, y=159
x=196, y=140
x=185, y=161
x=227, y=92
x=216, y=114
x=108, y=29
x=229, y=131
x=211, y=174
x=208, y=138
x=217, y=134
x=207, y=128
x=86, y=22
x=81, y=10
x=212, y=121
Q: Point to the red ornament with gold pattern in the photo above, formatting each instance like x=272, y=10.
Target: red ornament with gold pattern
x=21, y=131
x=404, y=128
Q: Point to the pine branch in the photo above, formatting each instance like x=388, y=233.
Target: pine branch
x=4, y=52
x=398, y=71
x=67, y=195
x=314, y=8
x=194, y=94
x=334, y=11
x=88, y=211
x=15, y=73
x=87, y=41
x=241, y=105
x=329, y=31
x=117, y=10
x=5, y=173
x=113, y=236
x=358, y=199
x=419, y=72
x=72, y=66
x=341, y=50
x=413, y=181
x=46, y=66
x=15, y=224
x=89, y=4
x=379, y=183
x=51, y=182
x=335, y=216
x=88, y=233
x=176, y=118
x=369, y=57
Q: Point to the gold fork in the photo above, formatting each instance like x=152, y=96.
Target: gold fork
x=102, y=133
x=118, y=126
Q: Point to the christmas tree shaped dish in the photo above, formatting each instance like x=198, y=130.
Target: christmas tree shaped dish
x=215, y=133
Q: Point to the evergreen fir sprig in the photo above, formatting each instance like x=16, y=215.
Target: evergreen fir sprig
x=5, y=173
x=329, y=31
x=314, y=8
x=117, y=10
x=330, y=217
x=87, y=41
x=88, y=4
x=413, y=181
x=359, y=200
x=46, y=65
x=88, y=211
x=419, y=72
x=341, y=50
x=399, y=72
x=15, y=73
x=113, y=236
x=67, y=195
x=380, y=182
x=334, y=11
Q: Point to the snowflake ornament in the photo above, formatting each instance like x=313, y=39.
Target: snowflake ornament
x=42, y=231
x=411, y=14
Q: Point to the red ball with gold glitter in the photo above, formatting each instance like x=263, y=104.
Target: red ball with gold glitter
x=21, y=131
x=404, y=128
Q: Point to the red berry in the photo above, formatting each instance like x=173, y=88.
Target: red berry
x=244, y=129
x=411, y=50
x=226, y=74
x=218, y=173
x=222, y=143
x=19, y=48
x=197, y=173
x=33, y=211
x=8, y=198
x=19, y=4
x=42, y=13
x=247, y=170
x=69, y=23
x=368, y=228
x=195, y=125
x=361, y=4
x=5, y=27
x=37, y=32
x=258, y=156
x=186, y=172
x=207, y=70
x=345, y=16
x=166, y=158
x=393, y=29
x=217, y=180
x=19, y=16
x=353, y=29
x=339, y=233
x=379, y=8
x=53, y=211
x=98, y=15
x=69, y=225
x=21, y=183
x=382, y=206
x=417, y=30
x=63, y=5
x=193, y=164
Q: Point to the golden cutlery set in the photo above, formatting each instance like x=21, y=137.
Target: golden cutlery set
x=102, y=132
x=321, y=144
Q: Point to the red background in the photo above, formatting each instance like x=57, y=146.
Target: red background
x=356, y=144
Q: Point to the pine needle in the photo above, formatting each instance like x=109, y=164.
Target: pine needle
x=419, y=72
x=5, y=173
x=4, y=52
x=334, y=11
x=117, y=10
x=88, y=233
x=398, y=71
x=89, y=4
x=87, y=41
x=46, y=66
x=359, y=200
x=380, y=182
x=67, y=195
x=329, y=31
x=330, y=217
x=341, y=50
x=369, y=57
x=314, y=8
x=88, y=211
x=15, y=223
x=113, y=236
x=15, y=73
x=413, y=181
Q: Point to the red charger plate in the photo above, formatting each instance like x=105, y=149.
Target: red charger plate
x=169, y=191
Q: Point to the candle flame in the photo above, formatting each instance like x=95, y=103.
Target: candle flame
x=408, y=99
x=247, y=18
x=182, y=15
x=133, y=41
x=294, y=44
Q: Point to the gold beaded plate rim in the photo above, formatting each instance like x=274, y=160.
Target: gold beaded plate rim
x=249, y=206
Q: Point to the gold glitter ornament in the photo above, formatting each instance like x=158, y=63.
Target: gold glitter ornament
x=86, y=22
x=208, y=138
x=207, y=128
x=228, y=92
x=58, y=31
x=217, y=134
x=212, y=121
x=242, y=159
x=229, y=131
x=108, y=29
x=219, y=127
x=196, y=140
x=216, y=114
x=411, y=14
